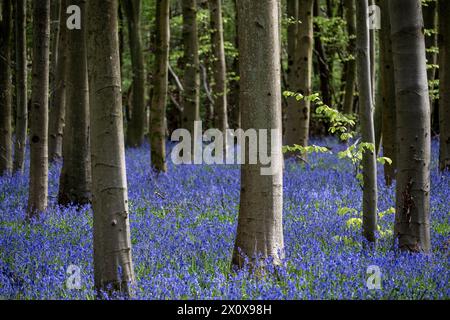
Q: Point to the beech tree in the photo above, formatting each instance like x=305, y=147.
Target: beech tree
x=412, y=219
x=298, y=113
x=191, y=99
x=444, y=85
x=21, y=86
x=38, y=186
x=351, y=64
x=135, y=129
x=219, y=85
x=260, y=227
x=159, y=97
x=5, y=88
x=75, y=178
x=112, y=244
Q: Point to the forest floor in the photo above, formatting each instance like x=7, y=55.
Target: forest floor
x=183, y=228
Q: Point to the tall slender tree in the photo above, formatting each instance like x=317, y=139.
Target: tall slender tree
x=159, y=97
x=58, y=101
x=366, y=119
x=113, y=267
x=56, y=10
x=387, y=93
x=351, y=64
x=444, y=85
x=260, y=227
x=5, y=88
x=191, y=99
x=75, y=178
x=38, y=187
x=298, y=114
x=135, y=130
x=412, y=219
x=219, y=86
x=21, y=86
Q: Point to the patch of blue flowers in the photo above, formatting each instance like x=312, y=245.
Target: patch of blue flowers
x=183, y=227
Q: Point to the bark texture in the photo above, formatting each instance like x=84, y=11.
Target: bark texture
x=75, y=178
x=159, y=97
x=412, y=220
x=5, y=88
x=38, y=187
x=387, y=93
x=113, y=267
x=191, y=99
x=21, y=86
x=58, y=101
x=260, y=228
x=298, y=113
x=366, y=120
x=135, y=130
x=444, y=92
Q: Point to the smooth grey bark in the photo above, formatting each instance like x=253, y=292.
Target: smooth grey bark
x=112, y=244
x=219, y=86
x=366, y=120
x=5, y=88
x=191, y=81
x=57, y=106
x=75, y=178
x=157, y=123
x=412, y=219
x=135, y=129
x=444, y=87
x=387, y=93
x=56, y=11
x=21, y=86
x=298, y=113
x=260, y=227
x=38, y=186
x=351, y=64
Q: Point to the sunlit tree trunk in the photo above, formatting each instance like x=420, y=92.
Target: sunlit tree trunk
x=412, y=221
x=351, y=64
x=58, y=101
x=112, y=245
x=135, y=129
x=38, y=187
x=444, y=92
x=191, y=99
x=298, y=113
x=260, y=227
x=219, y=87
x=159, y=97
x=21, y=86
x=366, y=120
x=75, y=179
x=5, y=88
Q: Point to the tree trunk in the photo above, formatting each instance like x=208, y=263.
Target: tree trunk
x=260, y=227
x=21, y=86
x=135, y=129
x=444, y=92
x=351, y=64
x=58, y=108
x=297, y=124
x=75, y=179
x=366, y=120
x=159, y=97
x=219, y=87
x=112, y=245
x=5, y=88
x=38, y=187
x=235, y=113
x=57, y=10
x=412, y=221
x=191, y=99
x=387, y=94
